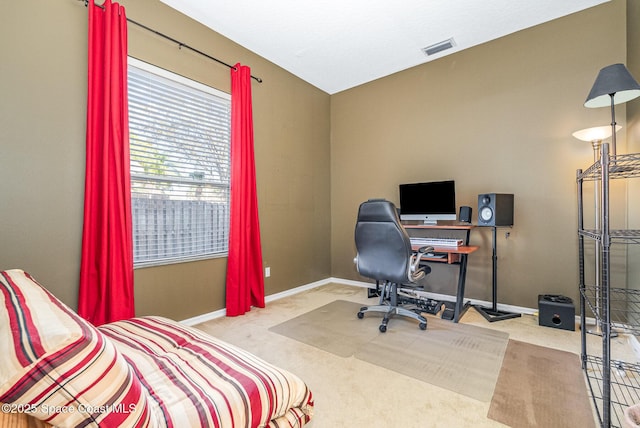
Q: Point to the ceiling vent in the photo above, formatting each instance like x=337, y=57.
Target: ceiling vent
x=439, y=47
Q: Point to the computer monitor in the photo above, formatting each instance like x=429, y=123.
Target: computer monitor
x=428, y=202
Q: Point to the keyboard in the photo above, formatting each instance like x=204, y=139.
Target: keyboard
x=437, y=242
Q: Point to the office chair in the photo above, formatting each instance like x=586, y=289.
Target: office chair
x=384, y=254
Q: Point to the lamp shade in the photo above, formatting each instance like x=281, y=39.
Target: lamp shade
x=612, y=81
x=597, y=133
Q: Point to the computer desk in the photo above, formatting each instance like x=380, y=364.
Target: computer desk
x=454, y=255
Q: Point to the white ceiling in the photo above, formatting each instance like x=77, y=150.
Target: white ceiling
x=339, y=44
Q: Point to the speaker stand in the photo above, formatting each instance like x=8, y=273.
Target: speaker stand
x=494, y=314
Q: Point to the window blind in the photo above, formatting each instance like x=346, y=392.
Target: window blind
x=180, y=166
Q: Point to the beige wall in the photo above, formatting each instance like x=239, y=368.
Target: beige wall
x=42, y=113
x=496, y=118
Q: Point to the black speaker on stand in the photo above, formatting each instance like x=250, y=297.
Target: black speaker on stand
x=495, y=209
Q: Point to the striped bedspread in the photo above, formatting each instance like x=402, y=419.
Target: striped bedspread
x=142, y=372
x=196, y=380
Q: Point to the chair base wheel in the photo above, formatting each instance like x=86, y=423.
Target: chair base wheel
x=360, y=315
x=423, y=326
x=382, y=328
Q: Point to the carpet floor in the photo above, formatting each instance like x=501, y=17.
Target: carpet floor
x=350, y=392
x=461, y=358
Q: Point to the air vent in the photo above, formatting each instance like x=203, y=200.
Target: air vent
x=439, y=47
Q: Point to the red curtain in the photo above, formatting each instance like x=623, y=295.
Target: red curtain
x=245, y=283
x=106, y=270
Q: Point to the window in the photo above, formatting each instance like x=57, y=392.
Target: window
x=180, y=145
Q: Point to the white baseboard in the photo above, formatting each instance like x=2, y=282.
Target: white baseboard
x=222, y=312
x=501, y=307
x=270, y=298
x=436, y=296
x=297, y=290
x=205, y=317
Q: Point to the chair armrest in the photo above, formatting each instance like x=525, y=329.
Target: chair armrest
x=415, y=262
x=421, y=251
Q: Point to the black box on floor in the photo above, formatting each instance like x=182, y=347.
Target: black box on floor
x=556, y=311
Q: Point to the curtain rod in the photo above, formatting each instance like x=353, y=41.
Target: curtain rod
x=179, y=43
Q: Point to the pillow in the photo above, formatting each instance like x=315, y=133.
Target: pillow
x=58, y=367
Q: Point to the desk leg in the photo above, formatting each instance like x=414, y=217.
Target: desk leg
x=460, y=306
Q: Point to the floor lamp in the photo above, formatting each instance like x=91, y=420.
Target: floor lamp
x=595, y=136
x=614, y=85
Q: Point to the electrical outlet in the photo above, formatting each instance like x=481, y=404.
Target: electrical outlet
x=267, y=272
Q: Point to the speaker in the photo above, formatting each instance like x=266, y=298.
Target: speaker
x=495, y=209
x=556, y=311
x=465, y=214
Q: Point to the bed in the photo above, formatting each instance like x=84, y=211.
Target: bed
x=142, y=372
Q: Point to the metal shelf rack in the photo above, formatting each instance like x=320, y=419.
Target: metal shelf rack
x=623, y=389
x=614, y=384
